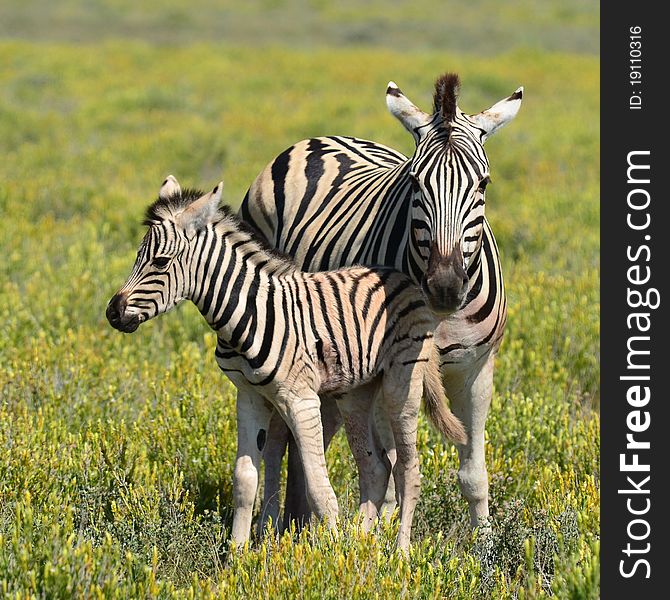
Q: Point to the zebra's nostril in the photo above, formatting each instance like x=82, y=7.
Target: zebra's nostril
x=115, y=308
x=112, y=315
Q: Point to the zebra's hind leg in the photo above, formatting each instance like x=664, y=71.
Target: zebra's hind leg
x=273, y=452
x=302, y=413
x=296, y=507
x=374, y=468
x=386, y=444
x=469, y=391
x=253, y=416
x=403, y=389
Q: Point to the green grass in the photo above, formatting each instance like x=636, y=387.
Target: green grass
x=116, y=451
x=483, y=26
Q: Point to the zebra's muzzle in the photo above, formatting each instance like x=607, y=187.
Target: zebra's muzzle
x=118, y=317
x=445, y=283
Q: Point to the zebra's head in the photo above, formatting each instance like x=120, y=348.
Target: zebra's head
x=161, y=276
x=448, y=175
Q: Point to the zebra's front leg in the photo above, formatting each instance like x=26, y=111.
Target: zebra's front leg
x=296, y=507
x=253, y=416
x=302, y=413
x=469, y=391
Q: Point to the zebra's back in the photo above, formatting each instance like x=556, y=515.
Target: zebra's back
x=327, y=202
x=331, y=202
x=364, y=321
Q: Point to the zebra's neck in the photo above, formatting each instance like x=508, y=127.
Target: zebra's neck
x=388, y=239
x=233, y=273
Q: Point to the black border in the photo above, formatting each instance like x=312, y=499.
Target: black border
x=624, y=130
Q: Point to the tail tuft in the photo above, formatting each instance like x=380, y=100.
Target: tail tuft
x=435, y=402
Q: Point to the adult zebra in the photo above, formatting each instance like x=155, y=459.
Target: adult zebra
x=335, y=201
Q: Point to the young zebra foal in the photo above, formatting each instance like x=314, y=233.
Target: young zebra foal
x=284, y=337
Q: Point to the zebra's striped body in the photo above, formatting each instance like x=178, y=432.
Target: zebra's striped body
x=285, y=336
x=335, y=201
x=361, y=214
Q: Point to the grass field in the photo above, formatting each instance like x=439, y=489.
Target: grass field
x=116, y=451
x=482, y=26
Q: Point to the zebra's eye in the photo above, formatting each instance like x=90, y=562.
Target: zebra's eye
x=161, y=262
x=415, y=182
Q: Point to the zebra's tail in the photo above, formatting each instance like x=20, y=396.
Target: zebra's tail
x=435, y=402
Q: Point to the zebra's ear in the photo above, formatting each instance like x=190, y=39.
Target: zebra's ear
x=402, y=109
x=169, y=187
x=499, y=114
x=201, y=212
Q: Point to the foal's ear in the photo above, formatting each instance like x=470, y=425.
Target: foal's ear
x=169, y=187
x=499, y=114
x=201, y=212
x=405, y=111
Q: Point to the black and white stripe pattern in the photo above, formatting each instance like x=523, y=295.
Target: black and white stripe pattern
x=286, y=336
x=335, y=201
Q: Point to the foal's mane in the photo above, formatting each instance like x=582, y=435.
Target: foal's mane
x=170, y=206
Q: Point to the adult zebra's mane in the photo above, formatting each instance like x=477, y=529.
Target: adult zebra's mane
x=445, y=97
x=170, y=206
